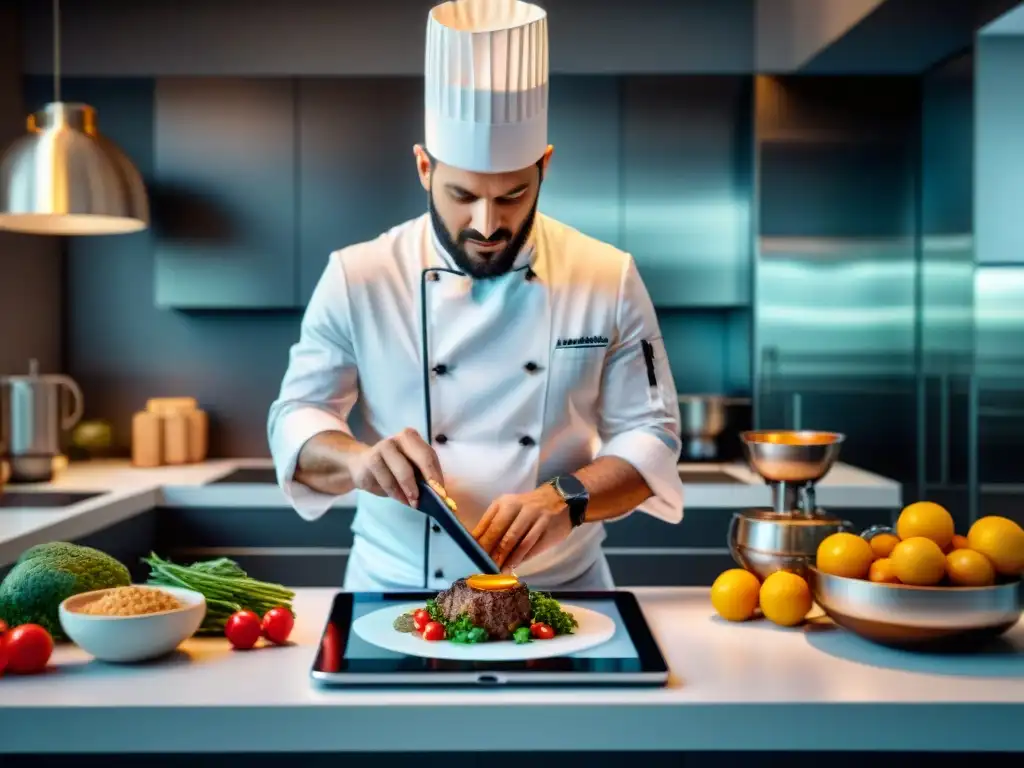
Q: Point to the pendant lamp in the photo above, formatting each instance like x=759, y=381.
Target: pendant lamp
x=64, y=177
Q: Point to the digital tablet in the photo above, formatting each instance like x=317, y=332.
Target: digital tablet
x=432, y=504
x=613, y=646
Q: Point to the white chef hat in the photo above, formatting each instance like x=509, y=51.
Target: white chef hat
x=486, y=84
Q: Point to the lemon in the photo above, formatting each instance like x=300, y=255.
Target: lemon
x=958, y=542
x=845, y=554
x=1000, y=540
x=918, y=561
x=927, y=519
x=785, y=598
x=967, y=568
x=734, y=594
x=882, y=544
x=882, y=572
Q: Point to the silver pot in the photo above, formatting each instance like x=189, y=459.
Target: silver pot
x=763, y=541
x=702, y=418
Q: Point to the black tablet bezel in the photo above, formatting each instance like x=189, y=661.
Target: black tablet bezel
x=648, y=664
x=431, y=504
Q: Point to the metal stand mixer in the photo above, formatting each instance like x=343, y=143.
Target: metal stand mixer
x=785, y=537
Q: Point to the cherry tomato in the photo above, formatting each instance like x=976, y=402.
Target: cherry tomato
x=277, y=625
x=28, y=648
x=243, y=629
x=420, y=619
x=433, y=631
x=3, y=656
x=542, y=631
x=3, y=627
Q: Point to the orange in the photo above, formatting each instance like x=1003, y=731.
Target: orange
x=1000, y=540
x=883, y=543
x=845, y=554
x=785, y=599
x=958, y=542
x=882, y=571
x=918, y=561
x=967, y=568
x=734, y=594
x=927, y=519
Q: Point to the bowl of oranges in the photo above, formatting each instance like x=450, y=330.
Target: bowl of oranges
x=921, y=583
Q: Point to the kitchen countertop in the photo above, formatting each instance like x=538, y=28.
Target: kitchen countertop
x=751, y=686
x=126, y=491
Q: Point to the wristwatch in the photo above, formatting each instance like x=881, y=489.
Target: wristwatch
x=575, y=495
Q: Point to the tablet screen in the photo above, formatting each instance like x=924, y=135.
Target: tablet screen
x=631, y=649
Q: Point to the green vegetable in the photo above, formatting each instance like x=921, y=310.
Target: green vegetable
x=225, y=585
x=47, y=574
x=521, y=635
x=547, y=610
x=461, y=630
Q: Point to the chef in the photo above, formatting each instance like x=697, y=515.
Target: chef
x=506, y=356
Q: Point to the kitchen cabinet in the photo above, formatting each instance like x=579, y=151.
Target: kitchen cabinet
x=357, y=171
x=225, y=193
x=583, y=184
x=687, y=187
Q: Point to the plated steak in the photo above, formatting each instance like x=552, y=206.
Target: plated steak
x=500, y=612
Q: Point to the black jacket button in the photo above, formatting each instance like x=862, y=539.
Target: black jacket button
x=531, y=367
x=435, y=528
x=526, y=441
x=438, y=574
x=442, y=439
x=440, y=369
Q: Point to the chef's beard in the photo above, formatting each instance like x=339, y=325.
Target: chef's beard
x=480, y=268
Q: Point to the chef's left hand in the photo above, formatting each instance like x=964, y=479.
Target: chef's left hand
x=523, y=525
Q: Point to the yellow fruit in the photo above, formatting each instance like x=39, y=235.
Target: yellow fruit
x=734, y=594
x=785, y=599
x=882, y=572
x=958, y=542
x=918, y=561
x=967, y=568
x=883, y=543
x=845, y=554
x=1000, y=540
x=927, y=519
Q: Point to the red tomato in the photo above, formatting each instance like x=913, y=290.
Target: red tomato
x=3, y=627
x=3, y=656
x=420, y=619
x=433, y=631
x=277, y=625
x=28, y=649
x=243, y=629
x=542, y=631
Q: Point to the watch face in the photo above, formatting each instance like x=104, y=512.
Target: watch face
x=571, y=486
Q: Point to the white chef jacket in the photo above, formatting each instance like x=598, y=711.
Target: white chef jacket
x=512, y=380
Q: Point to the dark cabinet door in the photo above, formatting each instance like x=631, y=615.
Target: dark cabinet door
x=357, y=172
x=687, y=173
x=583, y=185
x=224, y=206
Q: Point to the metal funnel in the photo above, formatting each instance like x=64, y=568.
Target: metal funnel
x=792, y=457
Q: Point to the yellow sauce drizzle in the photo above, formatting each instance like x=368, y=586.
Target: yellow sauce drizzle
x=492, y=582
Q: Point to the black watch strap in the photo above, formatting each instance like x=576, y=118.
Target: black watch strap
x=575, y=495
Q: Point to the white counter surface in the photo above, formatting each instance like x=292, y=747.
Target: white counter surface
x=734, y=687
x=126, y=491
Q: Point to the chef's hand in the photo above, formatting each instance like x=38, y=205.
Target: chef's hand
x=387, y=468
x=523, y=525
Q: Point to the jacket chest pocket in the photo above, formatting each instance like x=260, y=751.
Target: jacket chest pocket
x=575, y=376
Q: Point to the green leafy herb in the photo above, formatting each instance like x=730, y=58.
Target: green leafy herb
x=521, y=635
x=461, y=630
x=547, y=610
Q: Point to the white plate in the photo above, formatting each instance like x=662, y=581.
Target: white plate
x=377, y=628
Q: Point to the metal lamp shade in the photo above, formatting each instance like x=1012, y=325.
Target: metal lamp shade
x=64, y=178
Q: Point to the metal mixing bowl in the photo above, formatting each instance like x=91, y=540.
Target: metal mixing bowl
x=791, y=456
x=764, y=542
x=905, y=616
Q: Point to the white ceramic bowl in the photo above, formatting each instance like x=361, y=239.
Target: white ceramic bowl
x=132, y=638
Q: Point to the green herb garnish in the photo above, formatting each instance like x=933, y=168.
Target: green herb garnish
x=547, y=610
x=461, y=630
x=521, y=635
